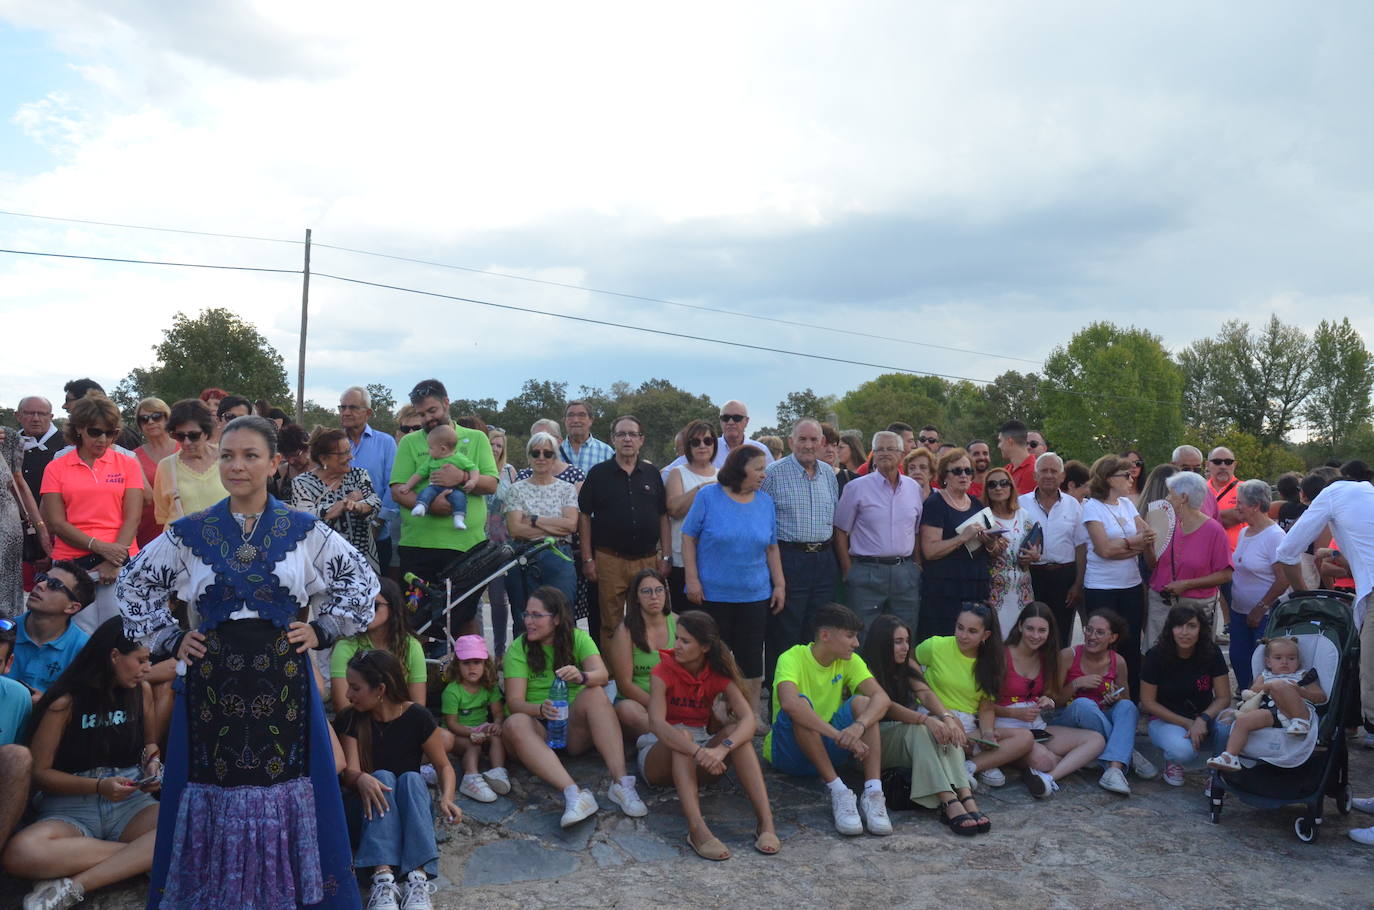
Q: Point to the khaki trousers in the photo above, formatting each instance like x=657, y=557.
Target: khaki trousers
x=613, y=577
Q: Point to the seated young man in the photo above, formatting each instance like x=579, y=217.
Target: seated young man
x=46, y=639
x=816, y=729
x=15, y=762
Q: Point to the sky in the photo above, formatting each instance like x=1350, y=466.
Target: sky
x=987, y=177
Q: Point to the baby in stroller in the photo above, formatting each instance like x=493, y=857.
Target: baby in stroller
x=1281, y=696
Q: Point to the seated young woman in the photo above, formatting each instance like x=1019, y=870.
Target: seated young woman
x=649, y=629
x=682, y=748
x=965, y=670
x=553, y=646
x=95, y=766
x=1184, y=686
x=1028, y=691
x=918, y=732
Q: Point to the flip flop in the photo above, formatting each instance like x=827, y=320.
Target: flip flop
x=713, y=849
x=767, y=843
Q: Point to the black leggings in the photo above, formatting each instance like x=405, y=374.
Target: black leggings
x=741, y=628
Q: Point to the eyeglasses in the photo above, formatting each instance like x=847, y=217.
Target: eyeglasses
x=151, y=418
x=100, y=432
x=993, y=484
x=1223, y=461
x=348, y=453
x=536, y=616
x=406, y=428
x=732, y=418
x=626, y=434
x=542, y=453
x=657, y=591
x=703, y=441
x=1090, y=632
x=52, y=584
x=890, y=450
x=350, y=407
x=189, y=436
x=962, y=472
x=927, y=440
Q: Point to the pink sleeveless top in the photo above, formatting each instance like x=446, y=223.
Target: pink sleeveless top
x=1076, y=670
x=1017, y=688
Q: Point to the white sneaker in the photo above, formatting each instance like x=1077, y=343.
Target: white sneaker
x=420, y=509
x=1114, y=781
x=498, y=780
x=993, y=777
x=1142, y=767
x=384, y=893
x=460, y=522
x=474, y=786
x=1358, y=835
x=627, y=799
x=873, y=808
x=418, y=890
x=845, y=808
x=54, y=894
x=1040, y=784
x=1363, y=803
x=429, y=775
x=580, y=808
x=1173, y=774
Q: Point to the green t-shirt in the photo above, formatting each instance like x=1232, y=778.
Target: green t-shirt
x=432, y=531
x=517, y=666
x=823, y=686
x=346, y=648
x=645, y=661
x=472, y=708
x=950, y=673
x=432, y=464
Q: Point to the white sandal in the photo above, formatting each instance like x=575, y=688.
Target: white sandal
x=1224, y=762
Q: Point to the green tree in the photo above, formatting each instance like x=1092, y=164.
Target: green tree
x=1255, y=380
x=383, y=407
x=1111, y=388
x=891, y=397
x=1014, y=395
x=664, y=409
x=216, y=348
x=969, y=415
x=1206, y=392
x=793, y=408
x=538, y=398
x=486, y=408
x=1342, y=376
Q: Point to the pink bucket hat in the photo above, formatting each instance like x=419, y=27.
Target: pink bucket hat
x=470, y=647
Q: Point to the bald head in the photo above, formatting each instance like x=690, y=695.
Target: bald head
x=734, y=418
x=1221, y=466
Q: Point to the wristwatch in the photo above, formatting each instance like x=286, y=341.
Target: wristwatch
x=727, y=743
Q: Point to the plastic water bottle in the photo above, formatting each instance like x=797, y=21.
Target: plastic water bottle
x=558, y=726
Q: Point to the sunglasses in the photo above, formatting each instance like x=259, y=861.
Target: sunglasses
x=993, y=484
x=1032, y=444
x=732, y=418
x=1122, y=474
x=407, y=428
x=1138, y=464
x=424, y=390
x=52, y=584
x=100, y=432
x=188, y=436
x=1223, y=461
x=542, y=453
x=962, y=472
x=151, y=418
x=704, y=441
x=927, y=440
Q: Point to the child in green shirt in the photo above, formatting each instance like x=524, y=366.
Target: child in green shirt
x=473, y=712
x=443, y=445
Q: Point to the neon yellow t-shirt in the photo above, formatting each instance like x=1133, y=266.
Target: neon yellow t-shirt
x=346, y=648
x=517, y=666
x=950, y=673
x=472, y=708
x=824, y=686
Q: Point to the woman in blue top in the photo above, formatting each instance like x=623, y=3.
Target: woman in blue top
x=730, y=555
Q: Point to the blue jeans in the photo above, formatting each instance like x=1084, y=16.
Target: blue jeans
x=546, y=567
x=810, y=581
x=403, y=837
x=456, y=498
x=1116, y=724
x=1173, y=741
x=1243, y=642
x=788, y=756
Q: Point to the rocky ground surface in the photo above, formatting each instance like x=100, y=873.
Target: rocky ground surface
x=1084, y=848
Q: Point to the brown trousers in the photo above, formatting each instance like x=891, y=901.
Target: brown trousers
x=613, y=577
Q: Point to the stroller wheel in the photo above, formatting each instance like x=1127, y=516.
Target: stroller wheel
x=1305, y=829
x=1344, y=802
x=1216, y=815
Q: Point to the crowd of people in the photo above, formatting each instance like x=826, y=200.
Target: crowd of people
x=206, y=651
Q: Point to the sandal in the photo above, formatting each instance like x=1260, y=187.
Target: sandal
x=984, y=823
x=713, y=849
x=956, y=824
x=1224, y=762
x=767, y=843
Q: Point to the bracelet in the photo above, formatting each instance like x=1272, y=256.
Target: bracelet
x=584, y=677
x=862, y=724
x=90, y=544
x=97, y=785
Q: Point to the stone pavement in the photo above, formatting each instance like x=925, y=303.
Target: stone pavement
x=1085, y=848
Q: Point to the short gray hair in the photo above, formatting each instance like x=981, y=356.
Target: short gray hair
x=542, y=439
x=362, y=393
x=1190, y=486
x=881, y=433
x=547, y=425
x=1049, y=456
x=1178, y=452
x=1255, y=494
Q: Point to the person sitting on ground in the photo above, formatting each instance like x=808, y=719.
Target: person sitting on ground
x=816, y=729
x=16, y=701
x=47, y=640
x=1184, y=686
x=649, y=629
x=385, y=738
x=918, y=734
x=1093, y=686
x=473, y=711
x=1027, y=693
x=682, y=749
x=443, y=445
x=966, y=670
x=96, y=765
x=390, y=631
x=1283, y=696
x=553, y=646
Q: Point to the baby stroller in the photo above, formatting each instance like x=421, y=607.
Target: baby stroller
x=1324, y=625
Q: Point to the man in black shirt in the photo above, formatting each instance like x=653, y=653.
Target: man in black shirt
x=624, y=522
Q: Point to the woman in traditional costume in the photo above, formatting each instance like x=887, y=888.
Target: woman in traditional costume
x=252, y=815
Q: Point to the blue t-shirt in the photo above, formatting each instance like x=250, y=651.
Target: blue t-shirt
x=732, y=540
x=38, y=666
x=15, y=705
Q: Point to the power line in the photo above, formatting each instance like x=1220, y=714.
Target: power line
x=184, y=265
x=144, y=227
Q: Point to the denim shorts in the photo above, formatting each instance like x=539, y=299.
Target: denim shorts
x=94, y=816
x=788, y=756
x=647, y=741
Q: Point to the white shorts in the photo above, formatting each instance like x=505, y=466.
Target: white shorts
x=649, y=740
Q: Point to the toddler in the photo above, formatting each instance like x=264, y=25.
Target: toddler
x=472, y=712
x=443, y=442
x=1280, y=697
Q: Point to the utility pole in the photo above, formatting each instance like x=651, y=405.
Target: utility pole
x=305, y=318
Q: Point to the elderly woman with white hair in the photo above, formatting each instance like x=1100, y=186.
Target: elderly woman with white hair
x=541, y=506
x=1197, y=560
x=1259, y=577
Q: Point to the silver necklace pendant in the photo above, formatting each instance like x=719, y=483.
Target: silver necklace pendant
x=246, y=552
